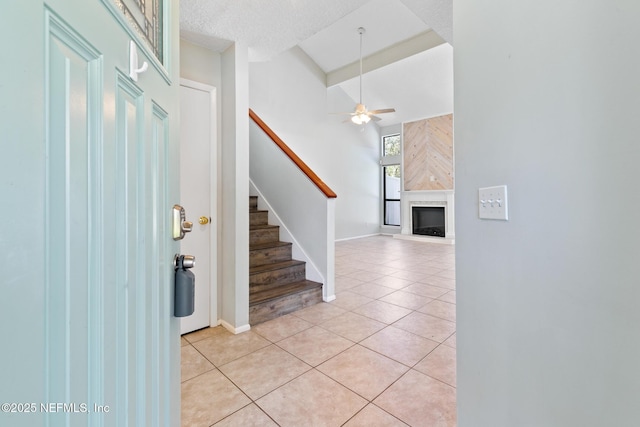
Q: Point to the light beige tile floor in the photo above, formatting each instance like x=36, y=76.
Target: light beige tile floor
x=382, y=354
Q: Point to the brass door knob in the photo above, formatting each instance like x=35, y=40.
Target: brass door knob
x=203, y=220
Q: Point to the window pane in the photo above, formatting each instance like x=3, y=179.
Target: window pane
x=391, y=145
x=145, y=17
x=392, y=182
x=391, y=175
x=392, y=213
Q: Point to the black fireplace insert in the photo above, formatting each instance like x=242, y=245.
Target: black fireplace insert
x=428, y=220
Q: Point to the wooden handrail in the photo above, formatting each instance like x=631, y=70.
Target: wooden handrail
x=302, y=165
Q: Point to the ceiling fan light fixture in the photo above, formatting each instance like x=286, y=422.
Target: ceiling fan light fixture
x=360, y=119
x=361, y=115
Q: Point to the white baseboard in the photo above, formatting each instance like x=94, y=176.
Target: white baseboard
x=329, y=298
x=426, y=239
x=357, y=237
x=234, y=330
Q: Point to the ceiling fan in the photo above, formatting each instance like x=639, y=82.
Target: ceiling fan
x=361, y=115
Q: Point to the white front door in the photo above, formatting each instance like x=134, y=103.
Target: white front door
x=198, y=150
x=89, y=173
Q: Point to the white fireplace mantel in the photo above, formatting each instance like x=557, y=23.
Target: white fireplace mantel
x=427, y=198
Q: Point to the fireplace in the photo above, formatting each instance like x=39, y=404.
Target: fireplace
x=428, y=220
x=442, y=200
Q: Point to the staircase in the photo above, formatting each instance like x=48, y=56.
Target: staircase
x=277, y=283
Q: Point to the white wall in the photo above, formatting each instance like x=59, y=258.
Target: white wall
x=228, y=72
x=199, y=64
x=290, y=95
x=547, y=98
x=391, y=130
x=235, y=188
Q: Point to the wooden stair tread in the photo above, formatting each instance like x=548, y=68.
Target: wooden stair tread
x=282, y=290
x=263, y=226
x=267, y=245
x=274, y=266
x=277, y=283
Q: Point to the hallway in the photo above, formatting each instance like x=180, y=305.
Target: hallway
x=381, y=354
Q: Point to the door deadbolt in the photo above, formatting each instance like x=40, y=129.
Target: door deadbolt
x=180, y=225
x=203, y=220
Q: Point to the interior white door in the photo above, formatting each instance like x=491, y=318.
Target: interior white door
x=198, y=197
x=92, y=165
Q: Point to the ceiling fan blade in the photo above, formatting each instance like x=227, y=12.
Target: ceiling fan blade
x=374, y=118
x=351, y=113
x=382, y=111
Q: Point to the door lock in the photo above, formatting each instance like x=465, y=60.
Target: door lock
x=203, y=220
x=179, y=224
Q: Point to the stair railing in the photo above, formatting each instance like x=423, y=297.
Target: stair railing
x=301, y=203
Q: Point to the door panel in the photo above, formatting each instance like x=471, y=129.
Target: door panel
x=129, y=262
x=73, y=284
x=163, y=324
x=22, y=186
x=92, y=324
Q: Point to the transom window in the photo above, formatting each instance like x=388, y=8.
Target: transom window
x=391, y=145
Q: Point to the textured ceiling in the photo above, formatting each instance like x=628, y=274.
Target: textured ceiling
x=438, y=14
x=270, y=27
x=267, y=27
x=415, y=81
x=387, y=22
